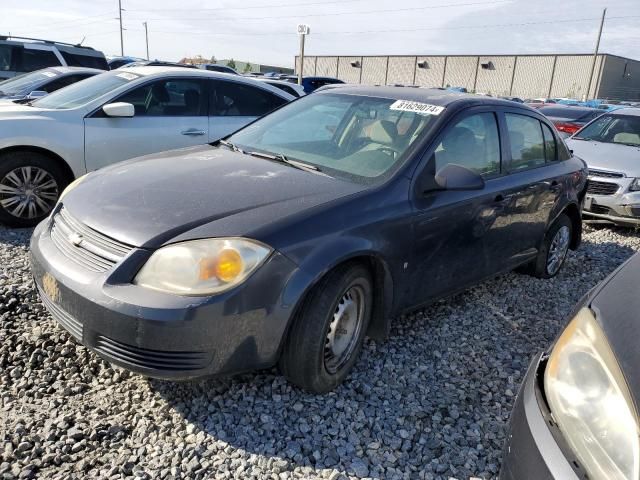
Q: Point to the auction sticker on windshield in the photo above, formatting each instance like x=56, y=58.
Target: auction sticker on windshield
x=416, y=107
x=127, y=76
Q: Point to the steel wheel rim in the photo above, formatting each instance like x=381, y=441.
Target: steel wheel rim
x=28, y=192
x=558, y=249
x=344, y=329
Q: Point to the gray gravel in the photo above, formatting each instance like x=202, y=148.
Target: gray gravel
x=430, y=403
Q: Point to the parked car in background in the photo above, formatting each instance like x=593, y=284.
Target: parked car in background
x=611, y=147
x=156, y=63
x=291, y=88
x=311, y=84
x=576, y=416
x=567, y=119
x=117, y=62
x=539, y=102
x=295, y=237
x=33, y=85
x=111, y=117
x=513, y=99
x=20, y=55
x=215, y=67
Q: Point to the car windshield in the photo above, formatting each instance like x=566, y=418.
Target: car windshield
x=623, y=129
x=84, y=92
x=350, y=136
x=25, y=83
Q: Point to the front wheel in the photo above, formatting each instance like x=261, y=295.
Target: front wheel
x=30, y=184
x=554, y=249
x=327, y=334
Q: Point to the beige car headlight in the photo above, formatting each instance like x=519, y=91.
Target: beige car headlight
x=202, y=267
x=591, y=403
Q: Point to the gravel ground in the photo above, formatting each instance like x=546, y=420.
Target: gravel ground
x=432, y=402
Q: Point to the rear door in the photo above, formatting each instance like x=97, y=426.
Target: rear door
x=232, y=105
x=169, y=113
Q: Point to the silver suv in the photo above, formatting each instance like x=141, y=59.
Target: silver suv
x=20, y=55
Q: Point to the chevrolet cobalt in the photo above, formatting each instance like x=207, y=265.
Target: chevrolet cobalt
x=291, y=240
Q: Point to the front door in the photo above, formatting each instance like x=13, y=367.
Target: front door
x=169, y=113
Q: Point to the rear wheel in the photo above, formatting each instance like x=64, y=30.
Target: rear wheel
x=327, y=334
x=554, y=249
x=30, y=184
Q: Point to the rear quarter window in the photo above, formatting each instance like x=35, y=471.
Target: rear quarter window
x=76, y=60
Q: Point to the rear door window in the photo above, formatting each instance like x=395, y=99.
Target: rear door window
x=525, y=141
x=7, y=57
x=473, y=142
x=89, y=61
x=235, y=99
x=37, y=59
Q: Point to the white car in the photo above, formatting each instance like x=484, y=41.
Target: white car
x=114, y=116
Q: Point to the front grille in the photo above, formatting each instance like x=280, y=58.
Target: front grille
x=152, y=359
x=601, y=188
x=73, y=326
x=85, y=246
x=599, y=209
x=605, y=174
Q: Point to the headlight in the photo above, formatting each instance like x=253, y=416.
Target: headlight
x=71, y=186
x=635, y=185
x=202, y=267
x=590, y=401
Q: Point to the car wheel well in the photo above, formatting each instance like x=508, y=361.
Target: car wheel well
x=43, y=151
x=573, y=212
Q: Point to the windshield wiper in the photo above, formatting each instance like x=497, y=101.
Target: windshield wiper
x=279, y=157
x=230, y=145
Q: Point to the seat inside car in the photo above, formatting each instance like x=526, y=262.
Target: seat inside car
x=459, y=146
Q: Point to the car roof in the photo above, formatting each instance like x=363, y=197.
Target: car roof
x=631, y=111
x=435, y=96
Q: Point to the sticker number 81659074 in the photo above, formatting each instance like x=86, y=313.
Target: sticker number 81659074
x=416, y=107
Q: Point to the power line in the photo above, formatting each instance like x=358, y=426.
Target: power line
x=70, y=22
x=252, y=7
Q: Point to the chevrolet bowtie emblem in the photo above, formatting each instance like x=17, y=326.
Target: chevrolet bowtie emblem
x=76, y=239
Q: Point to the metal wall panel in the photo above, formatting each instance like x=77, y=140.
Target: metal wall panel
x=533, y=76
x=432, y=75
x=346, y=72
x=620, y=79
x=401, y=70
x=309, y=65
x=571, y=76
x=374, y=70
x=327, y=66
x=461, y=72
x=495, y=80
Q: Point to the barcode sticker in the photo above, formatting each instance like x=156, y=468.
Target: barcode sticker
x=127, y=76
x=416, y=107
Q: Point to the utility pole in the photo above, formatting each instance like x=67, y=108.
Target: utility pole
x=303, y=31
x=146, y=36
x=595, y=53
x=121, y=38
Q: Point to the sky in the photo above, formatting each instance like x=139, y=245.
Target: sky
x=264, y=31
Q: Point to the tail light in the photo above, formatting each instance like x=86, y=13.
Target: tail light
x=567, y=127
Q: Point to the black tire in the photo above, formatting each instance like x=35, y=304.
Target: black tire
x=540, y=266
x=303, y=359
x=11, y=161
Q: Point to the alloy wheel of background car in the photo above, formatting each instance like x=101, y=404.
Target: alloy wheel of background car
x=558, y=249
x=344, y=330
x=28, y=192
x=30, y=185
x=326, y=336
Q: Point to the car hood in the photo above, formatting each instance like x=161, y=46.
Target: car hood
x=617, y=304
x=209, y=191
x=608, y=156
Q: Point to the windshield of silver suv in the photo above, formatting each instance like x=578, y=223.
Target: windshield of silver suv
x=352, y=136
x=623, y=129
x=84, y=92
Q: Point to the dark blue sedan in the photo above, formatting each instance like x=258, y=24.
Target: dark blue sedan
x=292, y=239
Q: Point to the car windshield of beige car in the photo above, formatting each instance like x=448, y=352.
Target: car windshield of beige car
x=622, y=129
x=354, y=136
x=85, y=91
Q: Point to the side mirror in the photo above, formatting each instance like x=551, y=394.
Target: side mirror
x=37, y=94
x=457, y=177
x=119, y=109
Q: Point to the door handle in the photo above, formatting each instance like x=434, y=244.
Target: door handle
x=500, y=198
x=555, y=186
x=193, y=132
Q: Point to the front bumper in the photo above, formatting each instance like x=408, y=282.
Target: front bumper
x=532, y=449
x=620, y=208
x=162, y=335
